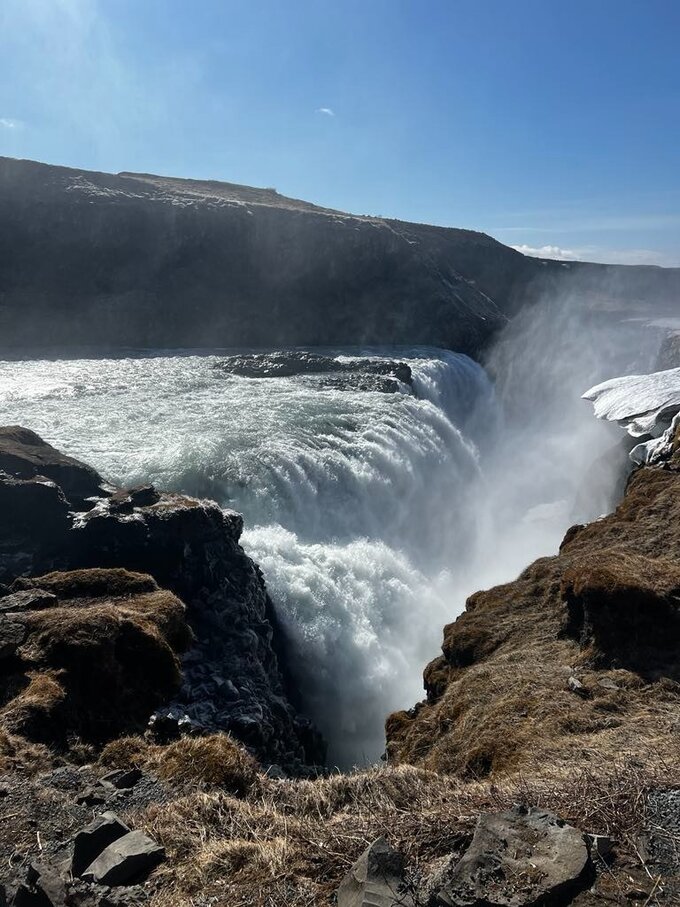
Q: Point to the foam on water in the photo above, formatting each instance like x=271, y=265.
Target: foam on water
x=341, y=490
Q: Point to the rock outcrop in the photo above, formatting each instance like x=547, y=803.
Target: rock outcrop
x=139, y=260
x=578, y=654
x=93, y=602
x=384, y=375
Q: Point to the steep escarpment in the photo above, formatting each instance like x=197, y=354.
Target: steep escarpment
x=91, y=258
x=73, y=611
x=139, y=260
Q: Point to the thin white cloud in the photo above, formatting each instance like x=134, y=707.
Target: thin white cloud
x=326, y=111
x=603, y=256
x=9, y=123
x=554, y=252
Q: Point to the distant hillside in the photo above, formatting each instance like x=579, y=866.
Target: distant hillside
x=142, y=260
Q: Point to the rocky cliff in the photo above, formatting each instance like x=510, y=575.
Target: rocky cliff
x=92, y=614
x=140, y=260
x=578, y=657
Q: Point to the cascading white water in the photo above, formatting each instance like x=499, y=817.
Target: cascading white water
x=372, y=515
x=341, y=490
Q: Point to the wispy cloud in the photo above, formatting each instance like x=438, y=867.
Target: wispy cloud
x=603, y=256
x=326, y=111
x=9, y=123
x=554, y=252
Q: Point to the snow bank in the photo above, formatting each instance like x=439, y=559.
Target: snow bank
x=647, y=406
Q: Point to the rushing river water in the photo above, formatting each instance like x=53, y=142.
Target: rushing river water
x=371, y=514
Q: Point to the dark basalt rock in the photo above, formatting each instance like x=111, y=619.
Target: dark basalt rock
x=383, y=375
x=127, y=859
x=233, y=680
x=519, y=858
x=93, y=839
x=24, y=455
x=376, y=879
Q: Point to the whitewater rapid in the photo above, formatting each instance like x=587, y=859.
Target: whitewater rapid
x=372, y=515
x=341, y=491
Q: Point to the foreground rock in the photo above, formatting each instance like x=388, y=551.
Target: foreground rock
x=95, y=838
x=85, y=623
x=127, y=859
x=517, y=858
x=376, y=879
x=25, y=455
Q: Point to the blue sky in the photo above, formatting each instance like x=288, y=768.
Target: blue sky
x=543, y=122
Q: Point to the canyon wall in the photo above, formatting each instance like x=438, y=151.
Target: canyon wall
x=145, y=261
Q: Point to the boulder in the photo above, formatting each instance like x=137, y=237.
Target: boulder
x=43, y=888
x=127, y=859
x=24, y=455
x=517, y=858
x=94, y=838
x=12, y=635
x=27, y=600
x=376, y=879
x=121, y=778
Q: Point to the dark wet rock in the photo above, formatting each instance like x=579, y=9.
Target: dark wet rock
x=129, y=858
x=517, y=858
x=385, y=375
x=191, y=547
x=95, y=838
x=24, y=455
x=34, y=526
x=122, y=779
x=167, y=725
x=376, y=879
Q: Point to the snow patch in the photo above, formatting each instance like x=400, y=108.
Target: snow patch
x=647, y=406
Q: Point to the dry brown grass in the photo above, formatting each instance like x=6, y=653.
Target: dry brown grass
x=605, y=610
x=18, y=754
x=214, y=760
x=290, y=843
x=110, y=645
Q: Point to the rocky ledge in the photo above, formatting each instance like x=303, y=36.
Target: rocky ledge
x=384, y=375
x=102, y=591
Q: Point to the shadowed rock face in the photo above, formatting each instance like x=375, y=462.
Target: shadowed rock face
x=148, y=261
x=232, y=678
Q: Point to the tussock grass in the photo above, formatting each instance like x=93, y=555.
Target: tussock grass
x=291, y=842
x=214, y=760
